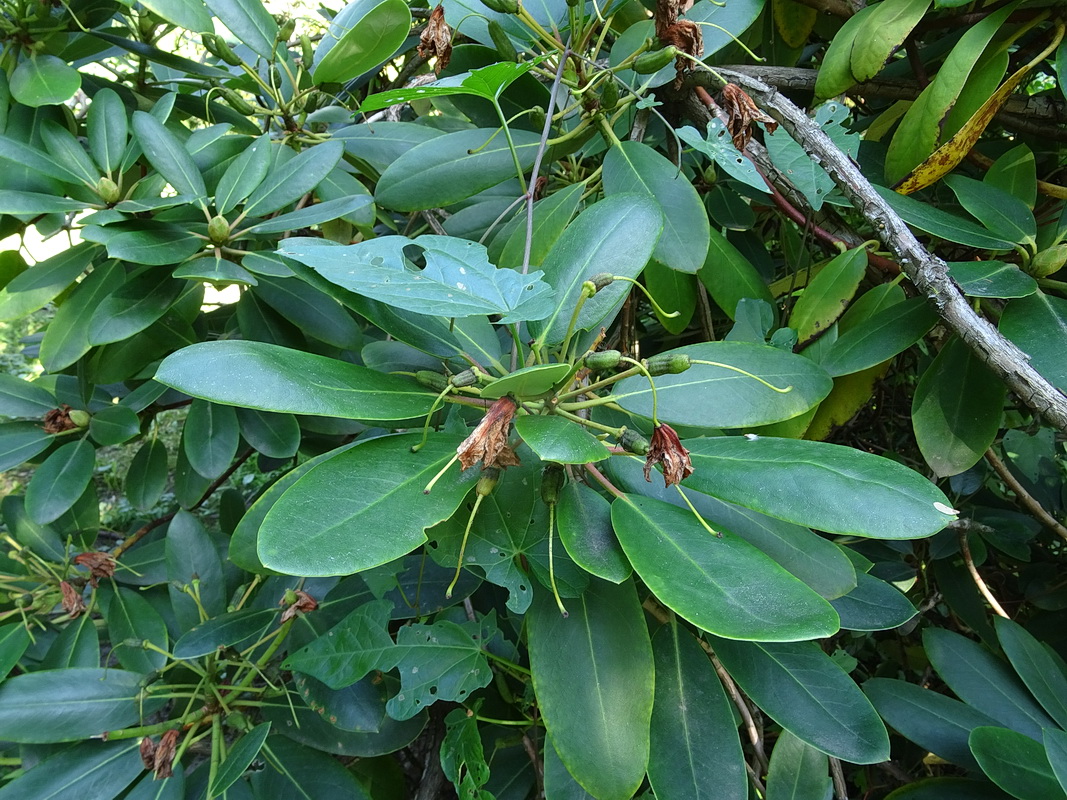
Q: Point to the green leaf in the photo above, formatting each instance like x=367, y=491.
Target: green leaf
x=616, y=235
x=827, y=294
x=147, y=475
x=488, y=82
x=34, y=160
x=67, y=151
x=14, y=640
x=1038, y=325
x=1039, y=670
x=1015, y=763
x=100, y=770
x=457, y=280
x=1015, y=172
x=693, y=571
x=695, y=753
x=237, y=629
x=288, y=182
x=192, y=556
x=67, y=337
x=313, y=215
x=886, y=333
x=66, y=705
x=114, y=425
x=1001, y=212
x=991, y=279
x=272, y=378
x=295, y=771
x=1056, y=752
x=462, y=753
x=815, y=484
x=108, y=129
x=211, y=437
x=15, y=202
x=238, y=759
x=807, y=693
x=167, y=59
x=709, y=396
x=882, y=33
x=453, y=167
x=43, y=80
x=44, y=540
x=244, y=174
x=835, y=75
x=373, y=38
x=948, y=789
x=131, y=620
x=155, y=246
x=215, y=270
x=597, y=702
x=189, y=14
x=24, y=398
x=382, y=143
x=60, y=481
x=528, y=381
x=873, y=605
x=804, y=173
x=797, y=771
x=940, y=223
x=39, y=284
x=931, y=720
x=144, y=298
x=633, y=167
x=729, y=276
x=675, y=292
x=353, y=648
x=584, y=521
x=556, y=439
x=718, y=145
x=273, y=435
x=167, y=154
x=341, y=534
x=983, y=681
x=956, y=410
x=250, y=22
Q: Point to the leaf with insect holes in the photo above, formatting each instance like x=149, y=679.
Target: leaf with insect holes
x=457, y=281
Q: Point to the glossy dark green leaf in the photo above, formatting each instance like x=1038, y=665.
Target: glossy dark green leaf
x=597, y=701
x=1015, y=763
x=310, y=309
x=940, y=223
x=114, y=425
x=616, y=235
x=211, y=437
x=382, y=143
x=991, y=279
x=675, y=292
x=147, y=476
x=999, y=211
x=15, y=202
x=272, y=378
x=239, y=758
x=560, y=784
x=67, y=336
x=98, y=770
x=189, y=14
x=237, y=629
x=827, y=294
x=341, y=534
x=249, y=21
x=155, y=246
x=888, y=332
x=60, y=481
x=556, y=439
x=873, y=605
x=1056, y=751
x=883, y=33
x=798, y=771
x=457, y=280
x=39, y=284
x=583, y=519
x=168, y=155
x=453, y=167
x=528, y=381
x=66, y=150
x=215, y=270
x=108, y=129
x=552, y=215
x=956, y=410
x=815, y=484
x=709, y=396
x=948, y=789
x=20, y=441
x=1038, y=669
x=314, y=214
x=192, y=556
x=14, y=639
x=78, y=645
x=695, y=752
x=729, y=276
x=717, y=144
x=371, y=39
x=295, y=771
x=35, y=162
x=985, y=682
x=694, y=572
x=273, y=435
x=351, y=649
x=633, y=167
x=66, y=705
x=488, y=82
x=289, y=181
x=931, y=720
x=143, y=299
x=131, y=620
x=1038, y=325
x=807, y=693
x=44, y=540
x=168, y=59
x=243, y=174
x=24, y=398
x=44, y=80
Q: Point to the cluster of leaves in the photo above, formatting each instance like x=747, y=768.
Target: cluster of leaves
x=469, y=270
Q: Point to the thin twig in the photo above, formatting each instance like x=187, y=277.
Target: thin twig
x=968, y=559
x=1025, y=498
x=840, y=787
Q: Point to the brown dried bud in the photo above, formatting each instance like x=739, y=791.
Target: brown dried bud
x=436, y=39
x=304, y=603
x=742, y=112
x=100, y=565
x=667, y=449
x=164, y=760
x=73, y=603
x=148, y=753
x=58, y=420
x=488, y=442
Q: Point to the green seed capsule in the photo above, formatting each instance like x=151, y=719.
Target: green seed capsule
x=226, y=54
x=633, y=442
x=466, y=378
x=504, y=47
x=502, y=6
x=487, y=482
x=609, y=98
x=551, y=483
x=431, y=380
x=209, y=42
x=307, y=51
x=654, y=60
x=668, y=364
x=80, y=418
x=236, y=102
x=537, y=117
x=604, y=360
x=602, y=279
x=286, y=30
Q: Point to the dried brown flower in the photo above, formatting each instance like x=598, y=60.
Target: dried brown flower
x=488, y=442
x=100, y=565
x=164, y=759
x=686, y=36
x=58, y=420
x=742, y=112
x=436, y=39
x=304, y=603
x=148, y=753
x=667, y=449
x=72, y=601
